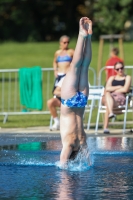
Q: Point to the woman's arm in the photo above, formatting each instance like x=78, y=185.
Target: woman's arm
x=127, y=85
x=55, y=64
x=109, y=87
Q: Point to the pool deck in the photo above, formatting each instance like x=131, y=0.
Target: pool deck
x=42, y=131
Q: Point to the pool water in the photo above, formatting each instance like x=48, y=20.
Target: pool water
x=29, y=170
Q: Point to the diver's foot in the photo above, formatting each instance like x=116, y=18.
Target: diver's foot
x=89, y=27
x=83, y=26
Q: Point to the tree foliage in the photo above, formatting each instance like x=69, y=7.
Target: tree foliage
x=110, y=15
x=39, y=20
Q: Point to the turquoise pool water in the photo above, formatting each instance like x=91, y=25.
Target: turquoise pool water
x=29, y=170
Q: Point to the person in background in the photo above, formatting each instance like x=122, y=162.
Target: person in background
x=61, y=64
x=111, y=62
x=115, y=92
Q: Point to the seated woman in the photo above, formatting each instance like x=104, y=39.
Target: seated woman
x=115, y=92
x=74, y=94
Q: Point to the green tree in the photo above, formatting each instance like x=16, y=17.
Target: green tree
x=110, y=15
x=39, y=20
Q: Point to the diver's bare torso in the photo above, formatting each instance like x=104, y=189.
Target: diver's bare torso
x=71, y=126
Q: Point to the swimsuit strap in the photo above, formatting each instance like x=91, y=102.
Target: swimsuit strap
x=65, y=58
x=122, y=79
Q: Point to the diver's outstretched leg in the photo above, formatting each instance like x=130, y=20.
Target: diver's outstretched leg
x=83, y=84
x=71, y=82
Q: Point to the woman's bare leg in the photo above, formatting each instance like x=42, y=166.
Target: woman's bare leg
x=109, y=102
x=52, y=104
x=71, y=82
x=106, y=120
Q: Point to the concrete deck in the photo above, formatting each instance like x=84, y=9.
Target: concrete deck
x=36, y=131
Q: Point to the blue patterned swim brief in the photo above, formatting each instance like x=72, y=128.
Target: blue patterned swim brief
x=79, y=100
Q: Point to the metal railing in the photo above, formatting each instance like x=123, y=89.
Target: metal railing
x=10, y=94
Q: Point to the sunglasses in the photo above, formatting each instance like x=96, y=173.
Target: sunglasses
x=119, y=68
x=66, y=42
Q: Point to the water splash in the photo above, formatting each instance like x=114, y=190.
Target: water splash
x=82, y=162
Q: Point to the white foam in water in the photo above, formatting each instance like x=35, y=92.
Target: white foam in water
x=33, y=162
x=18, y=159
x=82, y=162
